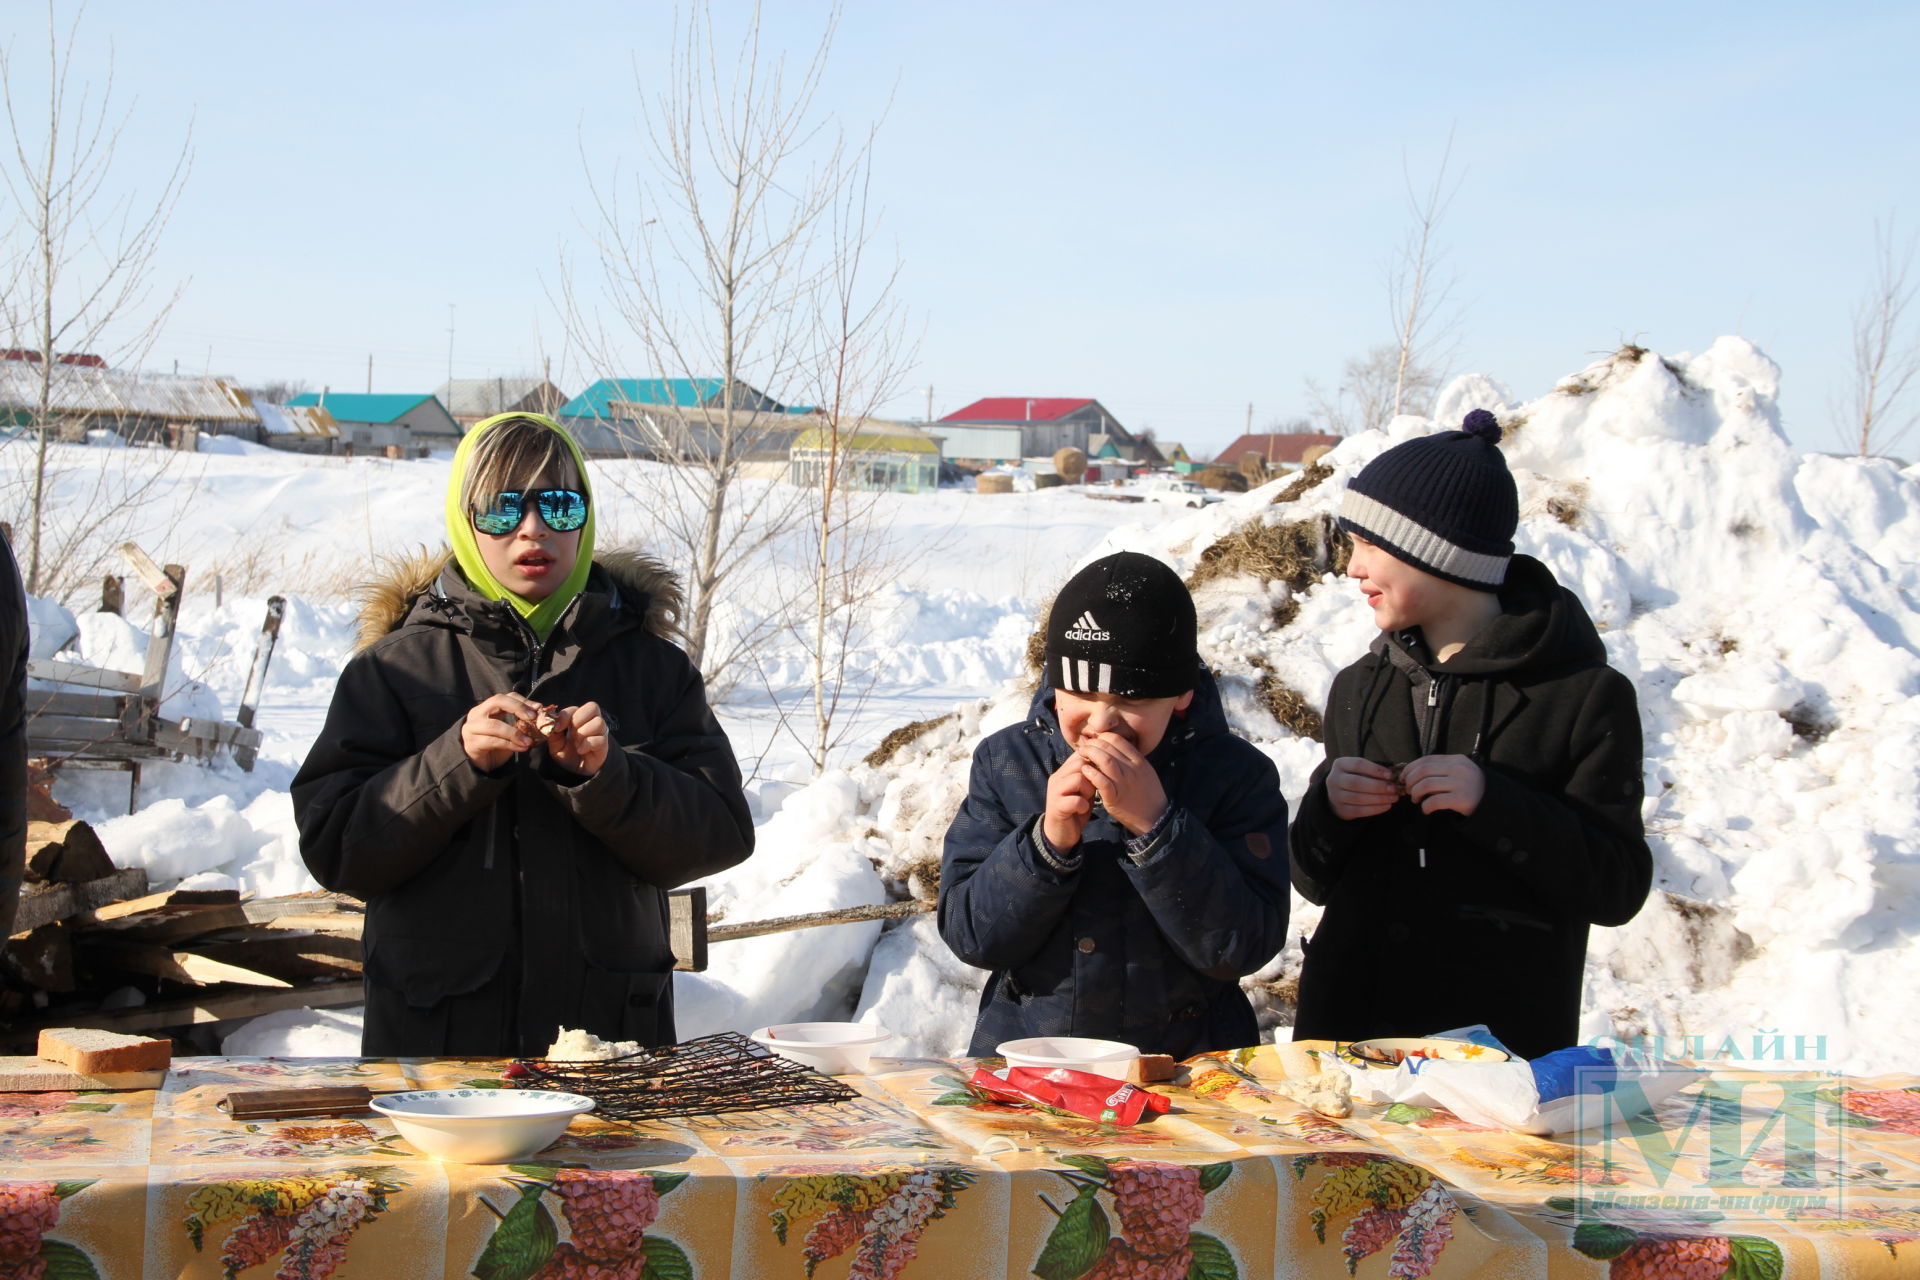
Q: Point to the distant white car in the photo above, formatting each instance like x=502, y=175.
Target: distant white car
x=1177, y=492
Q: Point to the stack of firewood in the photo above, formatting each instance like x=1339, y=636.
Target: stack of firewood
x=91, y=947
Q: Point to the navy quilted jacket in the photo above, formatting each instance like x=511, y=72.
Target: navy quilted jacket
x=1151, y=953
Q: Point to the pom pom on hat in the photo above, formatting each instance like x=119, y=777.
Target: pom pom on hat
x=1444, y=503
x=1483, y=424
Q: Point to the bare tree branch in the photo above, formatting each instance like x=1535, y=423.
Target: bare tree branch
x=1877, y=412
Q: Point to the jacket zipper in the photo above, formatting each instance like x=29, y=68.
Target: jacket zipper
x=1431, y=736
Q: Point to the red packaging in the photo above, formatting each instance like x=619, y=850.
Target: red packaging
x=1079, y=1093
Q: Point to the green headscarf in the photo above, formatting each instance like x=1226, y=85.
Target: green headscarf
x=541, y=615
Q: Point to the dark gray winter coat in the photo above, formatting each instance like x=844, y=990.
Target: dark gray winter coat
x=1148, y=954
x=14, y=641
x=1493, y=928
x=504, y=905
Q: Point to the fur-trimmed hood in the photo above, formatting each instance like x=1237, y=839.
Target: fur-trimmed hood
x=631, y=575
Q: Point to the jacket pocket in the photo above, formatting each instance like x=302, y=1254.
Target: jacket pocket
x=426, y=971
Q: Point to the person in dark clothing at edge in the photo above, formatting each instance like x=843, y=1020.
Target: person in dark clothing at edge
x=1479, y=804
x=516, y=766
x=1118, y=862
x=15, y=637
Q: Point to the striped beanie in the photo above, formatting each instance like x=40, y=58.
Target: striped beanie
x=1444, y=503
x=1123, y=625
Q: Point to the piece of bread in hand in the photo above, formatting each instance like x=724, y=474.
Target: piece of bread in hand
x=92, y=1052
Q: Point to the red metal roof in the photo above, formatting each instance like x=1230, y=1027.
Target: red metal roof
x=1274, y=447
x=1018, y=409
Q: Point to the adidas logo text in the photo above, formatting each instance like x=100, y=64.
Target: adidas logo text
x=1085, y=628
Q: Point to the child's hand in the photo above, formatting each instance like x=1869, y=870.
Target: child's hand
x=1128, y=786
x=1359, y=788
x=1069, y=804
x=579, y=739
x=1445, y=782
x=498, y=729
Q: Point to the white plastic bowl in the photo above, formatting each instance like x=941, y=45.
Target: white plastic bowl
x=481, y=1126
x=831, y=1048
x=1076, y=1053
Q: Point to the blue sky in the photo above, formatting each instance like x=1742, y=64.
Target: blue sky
x=1179, y=210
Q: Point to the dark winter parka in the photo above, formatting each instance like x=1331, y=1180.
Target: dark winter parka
x=1150, y=953
x=504, y=905
x=1440, y=921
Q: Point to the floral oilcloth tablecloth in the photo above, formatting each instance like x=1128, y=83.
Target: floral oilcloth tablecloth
x=1741, y=1177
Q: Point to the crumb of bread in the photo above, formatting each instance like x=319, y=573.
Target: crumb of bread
x=584, y=1046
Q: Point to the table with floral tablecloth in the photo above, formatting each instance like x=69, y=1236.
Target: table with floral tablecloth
x=1733, y=1176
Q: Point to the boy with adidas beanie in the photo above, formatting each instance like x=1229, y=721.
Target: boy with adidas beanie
x=1118, y=862
x=1479, y=805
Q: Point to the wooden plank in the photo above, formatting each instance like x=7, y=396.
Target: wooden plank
x=51, y=669
x=62, y=901
x=37, y=1075
x=169, y=917
x=813, y=920
x=285, y=952
x=75, y=729
x=198, y=734
x=261, y=910
x=344, y=924
x=74, y=706
x=148, y=572
x=187, y=968
x=687, y=928
x=42, y=959
x=212, y=1007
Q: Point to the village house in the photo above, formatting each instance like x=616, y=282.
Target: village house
x=411, y=424
x=1007, y=428
x=84, y=396
x=1277, y=451
x=675, y=419
x=871, y=455
x=470, y=400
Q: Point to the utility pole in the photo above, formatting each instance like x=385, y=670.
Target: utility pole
x=369, y=373
x=1249, y=417
x=929, y=402
x=449, y=348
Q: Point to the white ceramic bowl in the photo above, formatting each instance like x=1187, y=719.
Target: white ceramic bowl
x=832, y=1048
x=481, y=1126
x=1076, y=1053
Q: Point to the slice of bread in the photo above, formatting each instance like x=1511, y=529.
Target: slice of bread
x=92, y=1052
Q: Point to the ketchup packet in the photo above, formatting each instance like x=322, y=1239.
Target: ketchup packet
x=1079, y=1093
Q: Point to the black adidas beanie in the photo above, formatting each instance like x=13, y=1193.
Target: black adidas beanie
x=1123, y=625
x=1444, y=503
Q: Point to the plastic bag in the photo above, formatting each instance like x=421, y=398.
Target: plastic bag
x=1079, y=1093
x=1565, y=1091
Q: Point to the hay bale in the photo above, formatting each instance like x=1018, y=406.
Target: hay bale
x=1071, y=463
x=1221, y=480
x=1048, y=480
x=993, y=483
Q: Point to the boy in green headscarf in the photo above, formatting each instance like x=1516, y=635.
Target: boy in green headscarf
x=474, y=781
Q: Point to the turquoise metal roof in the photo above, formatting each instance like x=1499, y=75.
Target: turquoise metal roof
x=351, y=407
x=684, y=393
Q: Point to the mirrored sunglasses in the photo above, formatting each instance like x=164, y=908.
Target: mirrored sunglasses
x=561, y=510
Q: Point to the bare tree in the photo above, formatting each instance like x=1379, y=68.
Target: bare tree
x=1876, y=411
x=860, y=358
x=1419, y=290
x=710, y=271
x=83, y=255
x=1371, y=386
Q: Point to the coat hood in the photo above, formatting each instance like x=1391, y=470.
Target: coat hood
x=1542, y=628
x=634, y=578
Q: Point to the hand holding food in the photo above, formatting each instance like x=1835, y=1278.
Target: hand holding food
x=1069, y=804
x=1444, y=782
x=498, y=729
x=578, y=737
x=1128, y=785
x=1359, y=788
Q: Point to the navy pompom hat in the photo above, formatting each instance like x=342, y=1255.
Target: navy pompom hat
x=1444, y=503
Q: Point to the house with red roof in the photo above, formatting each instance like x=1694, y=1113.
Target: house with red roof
x=1008, y=428
x=1280, y=451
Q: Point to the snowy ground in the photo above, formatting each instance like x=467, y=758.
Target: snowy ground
x=1763, y=602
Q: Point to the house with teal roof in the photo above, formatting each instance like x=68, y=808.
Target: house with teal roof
x=413, y=424
x=641, y=416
